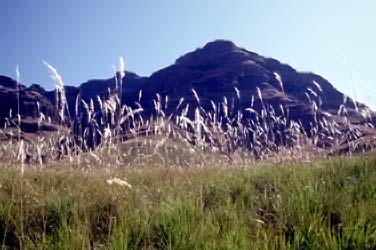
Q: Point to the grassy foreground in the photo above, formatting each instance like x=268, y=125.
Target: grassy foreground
x=323, y=205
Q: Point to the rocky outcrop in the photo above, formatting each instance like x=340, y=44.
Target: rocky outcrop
x=32, y=101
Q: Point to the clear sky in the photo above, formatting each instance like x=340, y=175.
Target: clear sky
x=84, y=38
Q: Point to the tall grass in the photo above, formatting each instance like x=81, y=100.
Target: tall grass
x=118, y=182
x=103, y=127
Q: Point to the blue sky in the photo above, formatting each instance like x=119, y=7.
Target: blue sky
x=84, y=38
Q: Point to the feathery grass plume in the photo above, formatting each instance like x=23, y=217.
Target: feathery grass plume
x=166, y=102
x=99, y=100
x=181, y=100
x=225, y=107
x=344, y=101
x=21, y=155
x=251, y=110
x=91, y=106
x=259, y=94
x=314, y=106
x=38, y=109
x=88, y=112
x=279, y=80
x=120, y=76
x=139, y=96
x=21, y=150
x=232, y=105
x=107, y=135
x=214, y=107
x=18, y=79
x=157, y=104
x=198, y=124
x=41, y=119
x=119, y=88
x=237, y=91
x=308, y=97
x=184, y=111
x=326, y=114
x=318, y=86
x=60, y=98
x=312, y=92
x=281, y=108
x=121, y=66
x=39, y=153
x=196, y=96
x=355, y=97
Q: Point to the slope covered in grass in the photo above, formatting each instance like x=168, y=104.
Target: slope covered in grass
x=320, y=205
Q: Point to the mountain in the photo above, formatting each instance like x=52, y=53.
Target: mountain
x=217, y=70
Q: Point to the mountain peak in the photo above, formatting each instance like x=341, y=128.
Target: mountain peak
x=215, y=53
x=220, y=45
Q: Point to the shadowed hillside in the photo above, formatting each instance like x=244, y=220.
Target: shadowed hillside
x=217, y=70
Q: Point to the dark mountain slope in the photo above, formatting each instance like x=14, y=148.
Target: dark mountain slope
x=219, y=69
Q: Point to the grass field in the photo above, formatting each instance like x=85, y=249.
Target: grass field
x=327, y=204
x=189, y=177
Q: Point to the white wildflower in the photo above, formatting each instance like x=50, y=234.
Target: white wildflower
x=119, y=182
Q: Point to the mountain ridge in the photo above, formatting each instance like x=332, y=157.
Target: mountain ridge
x=218, y=69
